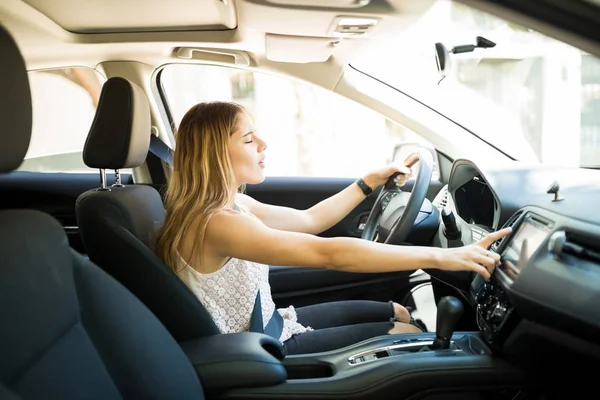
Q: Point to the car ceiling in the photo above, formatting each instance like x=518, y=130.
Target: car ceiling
x=291, y=37
x=88, y=32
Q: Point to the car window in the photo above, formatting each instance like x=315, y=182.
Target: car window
x=529, y=95
x=310, y=131
x=64, y=103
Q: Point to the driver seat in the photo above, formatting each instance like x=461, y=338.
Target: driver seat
x=69, y=331
x=117, y=223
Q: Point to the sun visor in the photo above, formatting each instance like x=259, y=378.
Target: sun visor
x=299, y=49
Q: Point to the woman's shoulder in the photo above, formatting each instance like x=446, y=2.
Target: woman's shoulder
x=229, y=226
x=227, y=219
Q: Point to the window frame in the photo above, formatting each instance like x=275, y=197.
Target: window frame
x=167, y=115
x=37, y=164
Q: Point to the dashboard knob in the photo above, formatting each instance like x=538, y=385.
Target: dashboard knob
x=483, y=293
x=498, y=313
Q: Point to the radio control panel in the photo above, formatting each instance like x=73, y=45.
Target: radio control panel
x=493, y=310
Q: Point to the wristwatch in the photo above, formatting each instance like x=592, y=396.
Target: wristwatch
x=366, y=189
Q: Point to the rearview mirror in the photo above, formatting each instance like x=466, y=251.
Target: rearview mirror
x=442, y=60
x=442, y=55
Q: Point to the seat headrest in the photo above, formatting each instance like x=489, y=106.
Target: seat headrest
x=120, y=133
x=15, y=104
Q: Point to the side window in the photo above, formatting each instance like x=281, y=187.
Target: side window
x=309, y=131
x=64, y=104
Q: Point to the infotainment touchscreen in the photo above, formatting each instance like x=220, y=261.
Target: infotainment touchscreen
x=530, y=234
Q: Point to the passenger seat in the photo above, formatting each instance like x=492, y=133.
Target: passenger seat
x=118, y=223
x=69, y=330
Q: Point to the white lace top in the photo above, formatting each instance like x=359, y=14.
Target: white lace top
x=229, y=295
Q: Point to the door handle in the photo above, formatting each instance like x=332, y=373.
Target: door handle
x=71, y=230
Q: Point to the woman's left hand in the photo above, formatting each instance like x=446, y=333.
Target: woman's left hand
x=380, y=176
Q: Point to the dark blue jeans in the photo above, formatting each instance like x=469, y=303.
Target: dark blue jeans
x=340, y=324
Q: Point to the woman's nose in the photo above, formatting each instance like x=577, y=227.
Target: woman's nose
x=262, y=146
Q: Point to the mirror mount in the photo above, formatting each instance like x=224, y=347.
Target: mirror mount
x=442, y=55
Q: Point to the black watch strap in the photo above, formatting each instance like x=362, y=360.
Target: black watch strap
x=366, y=189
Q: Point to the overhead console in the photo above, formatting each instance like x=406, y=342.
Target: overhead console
x=289, y=38
x=549, y=274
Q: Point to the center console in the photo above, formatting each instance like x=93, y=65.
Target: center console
x=251, y=365
x=494, y=309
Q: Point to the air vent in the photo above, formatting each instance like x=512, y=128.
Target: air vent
x=441, y=201
x=444, y=199
x=582, y=247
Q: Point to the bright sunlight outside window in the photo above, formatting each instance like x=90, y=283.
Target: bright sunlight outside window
x=309, y=130
x=533, y=97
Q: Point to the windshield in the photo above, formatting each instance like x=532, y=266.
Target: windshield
x=532, y=97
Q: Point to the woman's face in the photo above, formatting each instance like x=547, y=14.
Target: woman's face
x=246, y=150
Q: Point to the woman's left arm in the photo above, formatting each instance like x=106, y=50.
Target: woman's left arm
x=328, y=212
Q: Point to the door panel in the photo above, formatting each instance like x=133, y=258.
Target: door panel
x=303, y=193
x=303, y=286
x=52, y=193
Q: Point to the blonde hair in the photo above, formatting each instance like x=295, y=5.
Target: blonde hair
x=202, y=177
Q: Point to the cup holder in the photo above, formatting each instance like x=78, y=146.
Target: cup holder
x=309, y=371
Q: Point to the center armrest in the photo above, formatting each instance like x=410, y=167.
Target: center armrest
x=237, y=360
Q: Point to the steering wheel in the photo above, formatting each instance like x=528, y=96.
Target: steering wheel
x=394, y=213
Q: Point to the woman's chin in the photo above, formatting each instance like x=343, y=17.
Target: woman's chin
x=257, y=179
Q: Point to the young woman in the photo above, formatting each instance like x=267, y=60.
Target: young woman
x=221, y=242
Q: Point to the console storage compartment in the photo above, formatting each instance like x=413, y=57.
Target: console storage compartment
x=237, y=360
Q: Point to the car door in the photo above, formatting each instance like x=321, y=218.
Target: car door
x=52, y=193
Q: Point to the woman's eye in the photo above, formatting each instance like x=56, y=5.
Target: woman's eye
x=249, y=141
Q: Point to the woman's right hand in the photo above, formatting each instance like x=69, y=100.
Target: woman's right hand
x=474, y=257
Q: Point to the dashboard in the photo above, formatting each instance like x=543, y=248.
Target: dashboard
x=546, y=290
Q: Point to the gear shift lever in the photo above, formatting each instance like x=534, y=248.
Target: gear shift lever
x=449, y=311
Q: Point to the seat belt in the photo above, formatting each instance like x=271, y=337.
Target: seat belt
x=161, y=150
x=274, y=327
x=158, y=151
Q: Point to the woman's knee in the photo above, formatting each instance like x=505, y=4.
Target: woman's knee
x=401, y=327
x=401, y=313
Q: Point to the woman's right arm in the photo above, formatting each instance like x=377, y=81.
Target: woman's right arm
x=241, y=236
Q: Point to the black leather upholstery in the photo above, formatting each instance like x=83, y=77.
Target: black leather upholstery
x=237, y=360
x=115, y=206
x=15, y=104
x=68, y=330
x=117, y=226
x=120, y=133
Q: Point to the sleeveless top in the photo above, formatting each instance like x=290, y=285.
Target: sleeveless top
x=229, y=295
